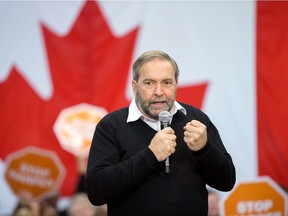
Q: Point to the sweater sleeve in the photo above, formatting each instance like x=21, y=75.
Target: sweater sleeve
x=108, y=176
x=216, y=163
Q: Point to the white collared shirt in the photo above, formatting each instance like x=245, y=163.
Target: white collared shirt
x=134, y=114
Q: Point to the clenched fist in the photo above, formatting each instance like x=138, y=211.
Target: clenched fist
x=195, y=135
x=163, y=143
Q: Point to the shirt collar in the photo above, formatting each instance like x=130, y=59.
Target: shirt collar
x=134, y=113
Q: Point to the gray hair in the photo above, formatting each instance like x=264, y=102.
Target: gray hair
x=149, y=56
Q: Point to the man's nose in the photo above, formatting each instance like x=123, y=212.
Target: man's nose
x=158, y=89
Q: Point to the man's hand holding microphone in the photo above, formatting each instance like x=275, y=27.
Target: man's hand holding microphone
x=163, y=144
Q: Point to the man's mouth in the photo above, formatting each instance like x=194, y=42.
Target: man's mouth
x=158, y=103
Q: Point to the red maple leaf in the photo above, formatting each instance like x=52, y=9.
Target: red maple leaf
x=88, y=65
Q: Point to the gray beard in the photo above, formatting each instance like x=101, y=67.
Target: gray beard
x=152, y=113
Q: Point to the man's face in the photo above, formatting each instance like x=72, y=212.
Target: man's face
x=156, y=88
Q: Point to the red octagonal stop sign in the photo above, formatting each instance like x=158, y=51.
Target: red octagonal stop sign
x=34, y=172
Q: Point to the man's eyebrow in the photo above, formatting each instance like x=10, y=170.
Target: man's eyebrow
x=148, y=79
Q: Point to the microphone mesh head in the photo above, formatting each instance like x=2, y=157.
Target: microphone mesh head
x=164, y=116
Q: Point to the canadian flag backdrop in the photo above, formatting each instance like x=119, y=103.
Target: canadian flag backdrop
x=233, y=59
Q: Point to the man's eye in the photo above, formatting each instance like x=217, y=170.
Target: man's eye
x=148, y=83
x=167, y=83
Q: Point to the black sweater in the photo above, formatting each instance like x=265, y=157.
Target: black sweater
x=124, y=173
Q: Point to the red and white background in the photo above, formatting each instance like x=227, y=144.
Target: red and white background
x=64, y=65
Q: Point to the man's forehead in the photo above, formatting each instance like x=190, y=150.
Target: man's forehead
x=155, y=64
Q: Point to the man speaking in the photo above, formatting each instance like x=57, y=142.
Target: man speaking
x=127, y=165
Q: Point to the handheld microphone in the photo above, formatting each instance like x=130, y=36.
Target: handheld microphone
x=165, y=118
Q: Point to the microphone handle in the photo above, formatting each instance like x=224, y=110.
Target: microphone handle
x=167, y=161
x=167, y=165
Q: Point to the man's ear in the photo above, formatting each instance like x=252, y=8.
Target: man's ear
x=134, y=86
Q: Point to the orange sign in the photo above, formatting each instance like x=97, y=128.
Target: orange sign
x=260, y=198
x=75, y=127
x=33, y=172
